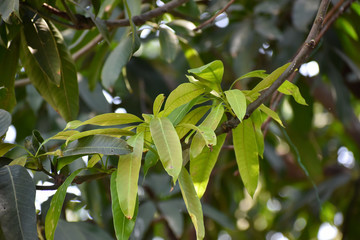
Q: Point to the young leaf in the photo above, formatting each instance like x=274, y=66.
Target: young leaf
x=5, y=147
x=237, y=101
x=289, y=88
x=210, y=74
x=159, y=100
x=191, y=118
x=63, y=135
x=128, y=176
x=114, y=132
x=266, y=82
x=110, y=119
x=256, y=118
x=207, y=133
x=183, y=94
x=42, y=45
x=246, y=153
x=17, y=196
x=202, y=165
x=191, y=55
x=168, y=145
x=192, y=203
x=53, y=214
x=271, y=114
x=122, y=225
x=94, y=159
x=97, y=144
x=211, y=121
x=169, y=44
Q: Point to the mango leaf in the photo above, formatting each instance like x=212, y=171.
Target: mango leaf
x=159, y=100
x=63, y=99
x=114, y=132
x=150, y=160
x=64, y=161
x=5, y=147
x=203, y=164
x=179, y=113
x=5, y=121
x=207, y=133
x=73, y=124
x=210, y=74
x=271, y=114
x=7, y=7
x=97, y=144
x=211, y=121
x=168, y=145
x=8, y=64
x=19, y=161
x=110, y=119
x=53, y=214
x=256, y=118
x=94, y=159
x=246, y=153
x=42, y=45
x=128, y=176
x=191, y=118
x=192, y=202
x=289, y=88
x=117, y=59
x=169, y=44
x=63, y=135
x=191, y=55
x=183, y=94
x=237, y=101
x=254, y=74
x=122, y=225
x=266, y=82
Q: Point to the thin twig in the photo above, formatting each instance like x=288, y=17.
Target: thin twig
x=87, y=47
x=209, y=21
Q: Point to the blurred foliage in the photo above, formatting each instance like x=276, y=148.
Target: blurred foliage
x=319, y=144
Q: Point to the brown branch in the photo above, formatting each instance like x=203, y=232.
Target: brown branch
x=88, y=47
x=209, y=21
x=299, y=59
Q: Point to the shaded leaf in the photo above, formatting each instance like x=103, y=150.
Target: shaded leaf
x=19, y=161
x=173, y=216
x=128, y=176
x=5, y=121
x=192, y=203
x=5, y=147
x=191, y=118
x=289, y=88
x=97, y=144
x=191, y=55
x=246, y=153
x=169, y=44
x=122, y=225
x=237, y=101
x=53, y=214
x=7, y=7
x=207, y=133
x=202, y=165
x=94, y=159
x=256, y=118
x=303, y=13
x=168, y=145
x=179, y=113
x=114, y=132
x=150, y=160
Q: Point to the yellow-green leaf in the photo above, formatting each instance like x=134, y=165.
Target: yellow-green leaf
x=271, y=114
x=192, y=202
x=159, y=100
x=5, y=147
x=202, y=165
x=183, y=94
x=256, y=118
x=115, y=132
x=168, y=145
x=246, y=153
x=110, y=119
x=128, y=175
x=19, y=161
x=237, y=101
x=94, y=159
x=191, y=118
x=207, y=133
x=289, y=88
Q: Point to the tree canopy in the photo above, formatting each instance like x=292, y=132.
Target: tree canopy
x=179, y=119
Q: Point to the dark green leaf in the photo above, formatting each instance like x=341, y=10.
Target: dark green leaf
x=7, y=7
x=303, y=13
x=173, y=216
x=169, y=44
x=5, y=121
x=150, y=160
x=17, y=209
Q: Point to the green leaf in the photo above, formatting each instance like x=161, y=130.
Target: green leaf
x=183, y=94
x=254, y=74
x=169, y=44
x=63, y=99
x=271, y=114
x=211, y=121
x=117, y=59
x=5, y=147
x=94, y=159
x=207, y=133
x=19, y=161
x=180, y=112
x=97, y=144
x=191, y=55
x=150, y=160
x=64, y=161
x=110, y=119
x=63, y=135
x=114, y=132
x=42, y=45
x=192, y=203
x=210, y=74
x=128, y=176
x=289, y=88
x=7, y=7
x=9, y=59
x=122, y=225
x=5, y=121
x=53, y=214
x=159, y=100
x=266, y=82
x=237, y=101
x=17, y=196
x=192, y=117
x=257, y=119
x=246, y=153
x=203, y=164
x=168, y=145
